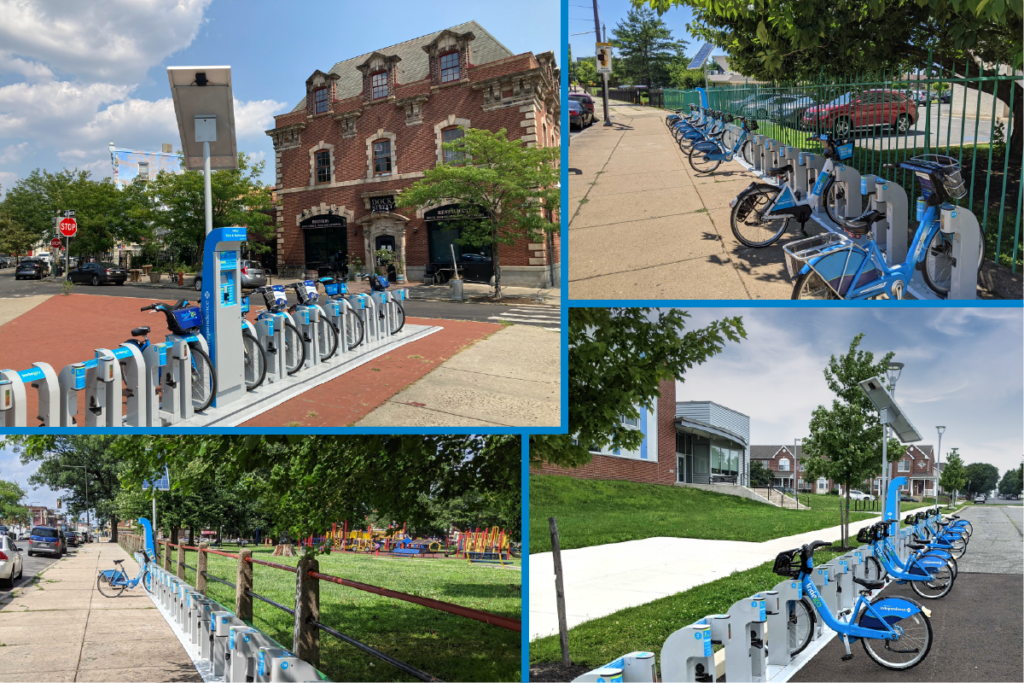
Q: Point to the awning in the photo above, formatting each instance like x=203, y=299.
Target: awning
x=708, y=430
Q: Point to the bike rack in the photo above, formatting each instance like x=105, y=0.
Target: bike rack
x=336, y=311
x=777, y=604
x=687, y=654
x=244, y=644
x=758, y=154
x=100, y=378
x=850, y=206
x=791, y=156
x=821, y=577
x=839, y=572
x=224, y=621
x=812, y=165
x=14, y=397
x=745, y=649
x=962, y=225
x=771, y=154
x=288, y=667
x=270, y=333
x=632, y=668
x=894, y=198
x=305, y=318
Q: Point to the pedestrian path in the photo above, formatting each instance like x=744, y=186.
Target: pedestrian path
x=604, y=579
x=60, y=628
x=546, y=317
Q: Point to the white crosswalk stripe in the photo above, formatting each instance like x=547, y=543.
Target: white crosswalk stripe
x=548, y=318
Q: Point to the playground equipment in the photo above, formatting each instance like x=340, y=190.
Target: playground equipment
x=486, y=546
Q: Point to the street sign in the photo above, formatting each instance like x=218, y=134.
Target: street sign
x=56, y=243
x=604, y=58
x=68, y=227
x=69, y=214
x=702, y=56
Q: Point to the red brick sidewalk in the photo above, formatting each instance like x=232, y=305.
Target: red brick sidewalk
x=68, y=329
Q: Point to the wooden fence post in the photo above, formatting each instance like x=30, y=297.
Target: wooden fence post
x=563, y=628
x=243, y=583
x=167, y=556
x=201, y=568
x=306, y=636
x=181, y=561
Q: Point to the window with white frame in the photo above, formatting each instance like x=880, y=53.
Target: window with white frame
x=449, y=67
x=784, y=465
x=629, y=421
x=904, y=466
x=822, y=484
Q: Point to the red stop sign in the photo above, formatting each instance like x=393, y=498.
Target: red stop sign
x=56, y=243
x=68, y=227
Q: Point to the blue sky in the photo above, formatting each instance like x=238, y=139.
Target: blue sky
x=75, y=76
x=581, y=19
x=963, y=370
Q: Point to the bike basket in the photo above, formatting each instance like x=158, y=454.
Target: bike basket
x=188, y=318
x=864, y=535
x=787, y=563
x=331, y=289
x=801, y=251
x=845, y=151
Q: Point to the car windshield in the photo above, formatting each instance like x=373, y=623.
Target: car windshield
x=110, y=265
x=44, y=532
x=842, y=99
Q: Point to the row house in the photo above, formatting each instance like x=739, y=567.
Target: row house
x=782, y=461
x=371, y=126
x=917, y=464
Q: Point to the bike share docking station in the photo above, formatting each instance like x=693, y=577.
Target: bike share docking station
x=128, y=387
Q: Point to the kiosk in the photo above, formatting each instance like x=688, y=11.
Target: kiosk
x=222, y=311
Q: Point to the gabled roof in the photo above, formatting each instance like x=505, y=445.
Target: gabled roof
x=769, y=452
x=415, y=63
x=916, y=452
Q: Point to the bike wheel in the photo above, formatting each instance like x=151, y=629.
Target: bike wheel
x=801, y=625
x=294, y=348
x=147, y=582
x=399, y=318
x=969, y=529
x=906, y=652
x=873, y=570
x=749, y=226
x=959, y=547
x=327, y=337
x=938, y=585
x=255, y=361
x=747, y=152
x=836, y=193
x=698, y=160
x=204, y=379
x=353, y=330
x=938, y=263
x=811, y=287
x=107, y=589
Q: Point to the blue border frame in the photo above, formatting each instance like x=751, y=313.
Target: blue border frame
x=524, y=609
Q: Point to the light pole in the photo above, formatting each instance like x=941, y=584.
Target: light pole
x=892, y=373
x=88, y=517
x=938, y=461
x=796, y=461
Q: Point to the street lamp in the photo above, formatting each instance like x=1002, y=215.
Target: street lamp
x=938, y=461
x=889, y=414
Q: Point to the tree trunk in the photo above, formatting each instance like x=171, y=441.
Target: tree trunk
x=113, y=529
x=174, y=535
x=284, y=550
x=495, y=260
x=846, y=535
x=192, y=535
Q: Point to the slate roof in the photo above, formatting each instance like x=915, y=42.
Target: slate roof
x=415, y=65
x=767, y=452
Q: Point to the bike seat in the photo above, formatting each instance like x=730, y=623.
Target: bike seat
x=916, y=546
x=955, y=516
x=118, y=561
x=869, y=584
x=140, y=331
x=861, y=225
x=779, y=171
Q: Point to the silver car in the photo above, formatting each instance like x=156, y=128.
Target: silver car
x=253, y=276
x=11, y=563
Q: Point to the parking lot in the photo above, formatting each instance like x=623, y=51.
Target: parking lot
x=978, y=628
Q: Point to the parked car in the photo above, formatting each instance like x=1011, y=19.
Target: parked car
x=587, y=101
x=253, y=275
x=45, y=540
x=904, y=498
x=5, y=262
x=99, y=273
x=31, y=269
x=860, y=495
x=865, y=111
x=979, y=499
x=578, y=115
x=12, y=565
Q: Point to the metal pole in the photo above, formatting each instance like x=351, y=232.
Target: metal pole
x=206, y=187
x=938, y=461
x=154, y=518
x=885, y=460
x=604, y=77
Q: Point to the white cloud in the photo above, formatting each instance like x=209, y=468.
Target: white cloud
x=115, y=40
x=33, y=71
x=13, y=153
x=255, y=117
x=50, y=111
x=7, y=178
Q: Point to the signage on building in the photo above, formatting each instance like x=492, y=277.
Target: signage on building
x=455, y=212
x=382, y=204
x=328, y=221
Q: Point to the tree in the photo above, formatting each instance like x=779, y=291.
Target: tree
x=845, y=442
x=759, y=474
x=683, y=78
x=1010, y=484
x=239, y=198
x=586, y=73
x=981, y=478
x=800, y=39
x=953, y=477
x=11, y=508
x=617, y=358
x=60, y=459
x=513, y=185
x=645, y=47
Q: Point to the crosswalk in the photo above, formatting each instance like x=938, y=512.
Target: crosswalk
x=543, y=316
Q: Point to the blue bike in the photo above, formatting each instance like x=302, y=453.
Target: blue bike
x=276, y=302
x=895, y=632
x=112, y=582
x=707, y=155
x=930, y=575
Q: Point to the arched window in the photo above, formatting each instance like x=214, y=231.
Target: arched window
x=379, y=85
x=382, y=157
x=784, y=465
x=449, y=64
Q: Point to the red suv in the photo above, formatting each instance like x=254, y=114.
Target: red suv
x=869, y=109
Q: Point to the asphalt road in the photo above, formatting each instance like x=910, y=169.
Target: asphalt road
x=978, y=628
x=542, y=316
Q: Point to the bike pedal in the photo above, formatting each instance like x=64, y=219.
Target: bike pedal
x=847, y=658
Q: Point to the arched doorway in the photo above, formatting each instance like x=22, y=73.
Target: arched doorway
x=387, y=243
x=384, y=230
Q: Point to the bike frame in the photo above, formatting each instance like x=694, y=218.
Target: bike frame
x=118, y=577
x=723, y=154
x=912, y=562
x=847, y=627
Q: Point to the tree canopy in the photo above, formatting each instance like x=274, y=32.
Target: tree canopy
x=12, y=509
x=953, y=477
x=645, y=47
x=981, y=478
x=1010, y=484
x=617, y=358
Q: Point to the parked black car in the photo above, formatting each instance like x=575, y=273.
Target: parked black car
x=579, y=116
x=31, y=269
x=904, y=498
x=587, y=101
x=99, y=273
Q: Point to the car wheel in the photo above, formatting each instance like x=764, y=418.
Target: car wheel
x=902, y=124
x=197, y=284
x=841, y=128
x=31, y=554
x=95, y=281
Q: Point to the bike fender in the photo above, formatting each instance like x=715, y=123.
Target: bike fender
x=893, y=610
x=931, y=562
x=705, y=146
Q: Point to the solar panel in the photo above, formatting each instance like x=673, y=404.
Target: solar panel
x=161, y=484
x=702, y=56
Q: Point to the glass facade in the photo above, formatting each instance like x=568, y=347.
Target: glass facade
x=725, y=460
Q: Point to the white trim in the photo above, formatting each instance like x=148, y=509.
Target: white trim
x=381, y=133
x=446, y=123
x=312, y=163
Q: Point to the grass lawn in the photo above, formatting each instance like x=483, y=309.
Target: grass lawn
x=596, y=512
x=449, y=647
x=599, y=641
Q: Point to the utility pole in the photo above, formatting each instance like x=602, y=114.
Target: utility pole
x=604, y=77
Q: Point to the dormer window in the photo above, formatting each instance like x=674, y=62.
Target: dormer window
x=379, y=85
x=449, y=67
x=320, y=100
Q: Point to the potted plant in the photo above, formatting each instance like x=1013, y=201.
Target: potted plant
x=355, y=265
x=400, y=270
x=155, y=275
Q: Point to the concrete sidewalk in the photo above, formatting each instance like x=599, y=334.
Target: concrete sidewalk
x=62, y=629
x=604, y=579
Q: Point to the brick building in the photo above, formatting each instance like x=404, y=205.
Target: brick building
x=686, y=442
x=372, y=124
x=917, y=464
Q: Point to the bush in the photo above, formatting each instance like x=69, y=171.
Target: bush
x=834, y=492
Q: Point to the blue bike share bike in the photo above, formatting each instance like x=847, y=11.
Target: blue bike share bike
x=112, y=582
x=895, y=632
x=929, y=574
x=706, y=156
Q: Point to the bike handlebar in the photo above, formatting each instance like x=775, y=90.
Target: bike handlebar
x=149, y=307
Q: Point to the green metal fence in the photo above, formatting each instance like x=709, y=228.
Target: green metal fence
x=894, y=116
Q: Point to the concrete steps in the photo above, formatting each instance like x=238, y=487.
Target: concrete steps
x=778, y=499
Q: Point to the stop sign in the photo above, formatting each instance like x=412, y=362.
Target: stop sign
x=56, y=243
x=68, y=227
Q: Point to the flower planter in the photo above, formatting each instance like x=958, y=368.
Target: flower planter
x=400, y=278
x=155, y=277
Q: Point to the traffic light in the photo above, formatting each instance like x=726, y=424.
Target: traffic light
x=58, y=503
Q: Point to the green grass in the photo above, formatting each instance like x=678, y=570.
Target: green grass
x=596, y=512
x=449, y=647
x=599, y=641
